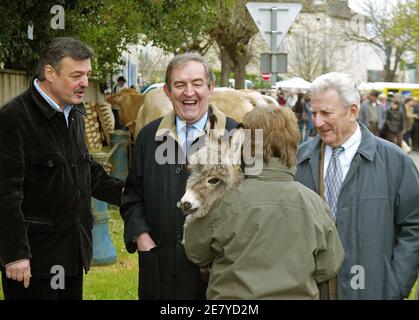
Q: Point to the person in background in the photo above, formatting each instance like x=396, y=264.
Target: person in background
x=290, y=98
x=301, y=115
x=372, y=113
x=281, y=98
x=394, y=123
x=121, y=83
x=310, y=131
x=382, y=98
x=415, y=127
x=410, y=119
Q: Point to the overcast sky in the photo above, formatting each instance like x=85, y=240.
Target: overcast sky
x=356, y=5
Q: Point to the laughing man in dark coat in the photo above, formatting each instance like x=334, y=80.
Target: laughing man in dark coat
x=157, y=180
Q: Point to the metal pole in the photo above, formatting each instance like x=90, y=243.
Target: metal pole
x=274, y=32
x=274, y=26
x=103, y=250
x=119, y=157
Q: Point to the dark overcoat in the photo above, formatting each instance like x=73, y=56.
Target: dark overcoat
x=149, y=205
x=47, y=177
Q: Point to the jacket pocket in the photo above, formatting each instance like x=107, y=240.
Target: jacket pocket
x=149, y=276
x=391, y=286
x=37, y=225
x=48, y=160
x=46, y=175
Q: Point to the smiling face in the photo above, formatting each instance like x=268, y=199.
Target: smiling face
x=68, y=84
x=334, y=122
x=189, y=91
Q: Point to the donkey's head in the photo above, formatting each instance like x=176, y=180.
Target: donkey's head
x=215, y=168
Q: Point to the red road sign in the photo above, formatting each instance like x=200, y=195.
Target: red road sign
x=266, y=76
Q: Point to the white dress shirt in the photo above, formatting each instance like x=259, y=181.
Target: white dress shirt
x=351, y=146
x=197, y=128
x=67, y=108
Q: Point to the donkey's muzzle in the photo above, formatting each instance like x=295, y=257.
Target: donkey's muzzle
x=186, y=207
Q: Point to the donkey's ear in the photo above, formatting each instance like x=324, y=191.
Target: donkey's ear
x=236, y=143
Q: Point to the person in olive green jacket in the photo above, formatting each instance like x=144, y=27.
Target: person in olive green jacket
x=271, y=237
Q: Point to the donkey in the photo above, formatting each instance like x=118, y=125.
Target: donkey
x=215, y=169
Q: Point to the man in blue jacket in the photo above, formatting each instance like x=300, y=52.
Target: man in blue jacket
x=372, y=188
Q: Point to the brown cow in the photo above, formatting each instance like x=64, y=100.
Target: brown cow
x=129, y=102
x=156, y=104
x=128, y=110
x=115, y=98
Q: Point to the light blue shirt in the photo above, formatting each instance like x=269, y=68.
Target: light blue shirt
x=51, y=102
x=197, y=128
x=351, y=147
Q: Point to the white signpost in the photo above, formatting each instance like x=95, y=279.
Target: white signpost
x=273, y=20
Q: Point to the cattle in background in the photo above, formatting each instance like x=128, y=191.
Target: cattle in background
x=233, y=103
x=129, y=108
x=258, y=99
x=129, y=102
x=115, y=98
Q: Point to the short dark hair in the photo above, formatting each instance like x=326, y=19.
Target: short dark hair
x=58, y=49
x=184, y=58
x=375, y=93
x=121, y=78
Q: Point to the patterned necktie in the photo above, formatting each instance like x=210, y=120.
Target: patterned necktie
x=188, y=138
x=333, y=180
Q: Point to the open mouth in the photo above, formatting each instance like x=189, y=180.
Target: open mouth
x=189, y=211
x=189, y=103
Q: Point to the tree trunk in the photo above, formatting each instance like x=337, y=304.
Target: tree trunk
x=225, y=67
x=239, y=74
x=388, y=75
x=239, y=56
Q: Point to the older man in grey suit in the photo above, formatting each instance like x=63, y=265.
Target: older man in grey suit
x=372, y=188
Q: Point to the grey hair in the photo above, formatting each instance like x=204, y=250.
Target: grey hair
x=184, y=58
x=58, y=49
x=342, y=83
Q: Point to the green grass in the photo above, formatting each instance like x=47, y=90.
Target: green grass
x=115, y=282
x=412, y=292
x=119, y=281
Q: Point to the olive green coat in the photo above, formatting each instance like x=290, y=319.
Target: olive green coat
x=270, y=238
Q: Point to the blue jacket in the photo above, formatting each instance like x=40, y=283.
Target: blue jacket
x=377, y=217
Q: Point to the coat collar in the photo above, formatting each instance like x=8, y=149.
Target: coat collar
x=216, y=120
x=367, y=148
x=274, y=170
x=43, y=105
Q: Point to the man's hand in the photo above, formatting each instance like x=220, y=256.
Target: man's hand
x=144, y=242
x=20, y=271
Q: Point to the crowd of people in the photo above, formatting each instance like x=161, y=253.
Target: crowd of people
x=393, y=117
x=334, y=213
